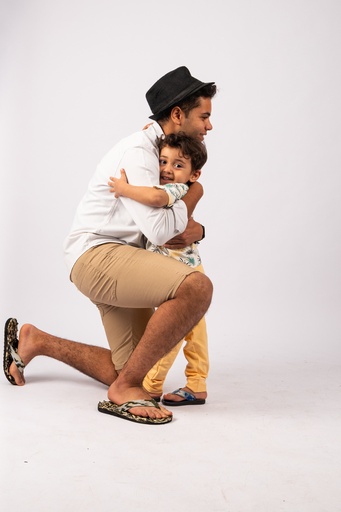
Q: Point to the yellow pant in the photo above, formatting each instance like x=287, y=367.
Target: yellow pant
x=196, y=354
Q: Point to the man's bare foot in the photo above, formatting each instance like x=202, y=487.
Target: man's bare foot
x=119, y=395
x=171, y=397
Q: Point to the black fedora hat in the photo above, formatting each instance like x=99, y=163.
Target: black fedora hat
x=171, y=88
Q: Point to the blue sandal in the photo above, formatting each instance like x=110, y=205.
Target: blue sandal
x=189, y=399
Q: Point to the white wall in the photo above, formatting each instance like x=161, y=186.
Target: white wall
x=73, y=78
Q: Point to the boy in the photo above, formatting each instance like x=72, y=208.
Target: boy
x=181, y=160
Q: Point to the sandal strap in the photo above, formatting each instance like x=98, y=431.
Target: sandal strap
x=16, y=359
x=183, y=394
x=137, y=403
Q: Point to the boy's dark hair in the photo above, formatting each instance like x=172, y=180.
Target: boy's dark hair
x=188, y=146
x=187, y=104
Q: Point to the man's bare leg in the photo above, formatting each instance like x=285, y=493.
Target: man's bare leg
x=91, y=360
x=168, y=325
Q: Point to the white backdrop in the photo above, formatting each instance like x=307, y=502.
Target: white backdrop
x=73, y=78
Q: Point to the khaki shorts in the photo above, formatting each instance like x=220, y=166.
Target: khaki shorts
x=126, y=284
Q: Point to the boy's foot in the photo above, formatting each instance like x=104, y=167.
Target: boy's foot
x=184, y=396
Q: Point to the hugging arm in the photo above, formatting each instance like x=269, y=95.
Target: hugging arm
x=157, y=224
x=155, y=197
x=150, y=196
x=194, y=230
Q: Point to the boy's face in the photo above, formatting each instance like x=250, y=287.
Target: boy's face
x=175, y=168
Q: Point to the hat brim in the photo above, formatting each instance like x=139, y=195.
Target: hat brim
x=187, y=92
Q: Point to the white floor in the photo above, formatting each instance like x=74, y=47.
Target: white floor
x=268, y=440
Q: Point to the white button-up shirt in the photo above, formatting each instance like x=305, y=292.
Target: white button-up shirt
x=101, y=218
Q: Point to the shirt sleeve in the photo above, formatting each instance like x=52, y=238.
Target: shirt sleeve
x=157, y=224
x=175, y=192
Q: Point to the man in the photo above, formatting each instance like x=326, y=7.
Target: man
x=108, y=263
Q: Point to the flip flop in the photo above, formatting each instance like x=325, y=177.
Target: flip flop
x=189, y=399
x=11, y=350
x=156, y=398
x=122, y=411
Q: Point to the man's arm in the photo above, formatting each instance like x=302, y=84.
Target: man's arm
x=150, y=196
x=192, y=197
x=193, y=233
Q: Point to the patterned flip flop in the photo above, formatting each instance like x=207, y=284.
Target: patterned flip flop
x=11, y=350
x=122, y=411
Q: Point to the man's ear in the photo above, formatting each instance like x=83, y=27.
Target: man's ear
x=195, y=175
x=176, y=115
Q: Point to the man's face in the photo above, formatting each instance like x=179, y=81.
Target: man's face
x=174, y=167
x=198, y=123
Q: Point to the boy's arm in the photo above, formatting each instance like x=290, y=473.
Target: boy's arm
x=150, y=196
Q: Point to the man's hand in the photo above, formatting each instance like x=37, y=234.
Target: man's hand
x=193, y=233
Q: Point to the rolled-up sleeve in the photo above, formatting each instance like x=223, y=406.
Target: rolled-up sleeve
x=175, y=192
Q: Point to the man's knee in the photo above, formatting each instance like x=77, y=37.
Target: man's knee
x=199, y=286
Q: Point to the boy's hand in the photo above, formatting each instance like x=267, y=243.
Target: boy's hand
x=117, y=184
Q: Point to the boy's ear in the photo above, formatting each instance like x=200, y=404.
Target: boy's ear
x=195, y=175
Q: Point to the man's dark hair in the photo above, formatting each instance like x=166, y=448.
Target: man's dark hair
x=188, y=147
x=190, y=102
